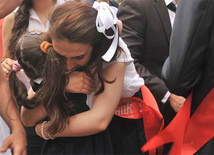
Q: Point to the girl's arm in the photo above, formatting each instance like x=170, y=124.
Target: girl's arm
x=30, y=117
x=9, y=112
x=6, y=62
x=99, y=116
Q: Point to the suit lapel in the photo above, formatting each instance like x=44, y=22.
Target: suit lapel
x=160, y=6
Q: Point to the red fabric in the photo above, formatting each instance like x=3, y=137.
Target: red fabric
x=135, y=108
x=188, y=134
x=1, y=46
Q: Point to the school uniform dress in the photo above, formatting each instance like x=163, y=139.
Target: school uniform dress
x=127, y=135
x=99, y=143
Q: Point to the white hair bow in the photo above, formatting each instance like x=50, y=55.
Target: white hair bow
x=107, y=18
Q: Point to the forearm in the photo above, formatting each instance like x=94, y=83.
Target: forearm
x=10, y=115
x=80, y=126
x=8, y=110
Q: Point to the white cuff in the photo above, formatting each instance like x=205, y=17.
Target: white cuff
x=165, y=98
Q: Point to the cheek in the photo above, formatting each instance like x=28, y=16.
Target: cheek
x=85, y=60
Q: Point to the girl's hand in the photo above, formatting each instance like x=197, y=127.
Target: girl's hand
x=79, y=82
x=7, y=66
x=17, y=142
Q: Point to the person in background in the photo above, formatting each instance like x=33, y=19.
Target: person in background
x=31, y=16
x=190, y=68
x=189, y=72
x=8, y=110
x=147, y=26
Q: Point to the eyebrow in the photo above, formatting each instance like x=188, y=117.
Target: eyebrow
x=72, y=57
x=80, y=55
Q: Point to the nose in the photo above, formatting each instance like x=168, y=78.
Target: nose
x=70, y=65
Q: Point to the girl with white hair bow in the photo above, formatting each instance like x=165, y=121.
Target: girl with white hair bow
x=87, y=39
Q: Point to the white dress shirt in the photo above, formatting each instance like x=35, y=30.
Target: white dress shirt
x=172, y=18
x=171, y=13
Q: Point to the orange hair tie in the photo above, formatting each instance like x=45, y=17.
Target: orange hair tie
x=44, y=46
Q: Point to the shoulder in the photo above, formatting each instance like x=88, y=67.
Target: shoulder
x=8, y=23
x=137, y=3
x=137, y=7
x=124, y=54
x=10, y=18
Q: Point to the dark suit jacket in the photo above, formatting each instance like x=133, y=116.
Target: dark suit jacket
x=146, y=31
x=111, y=2
x=191, y=62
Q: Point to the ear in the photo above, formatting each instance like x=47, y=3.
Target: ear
x=120, y=26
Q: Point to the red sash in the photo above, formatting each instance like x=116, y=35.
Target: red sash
x=189, y=134
x=135, y=108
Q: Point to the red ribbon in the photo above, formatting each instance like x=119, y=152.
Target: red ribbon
x=135, y=108
x=189, y=134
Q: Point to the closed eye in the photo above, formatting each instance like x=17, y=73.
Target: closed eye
x=79, y=57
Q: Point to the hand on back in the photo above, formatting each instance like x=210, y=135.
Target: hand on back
x=79, y=82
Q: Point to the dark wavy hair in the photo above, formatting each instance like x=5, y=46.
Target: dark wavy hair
x=51, y=68
x=20, y=25
x=76, y=22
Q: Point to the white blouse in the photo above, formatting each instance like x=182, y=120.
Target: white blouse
x=132, y=81
x=35, y=23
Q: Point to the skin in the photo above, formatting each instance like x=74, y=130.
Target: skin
x=9, y=112
x=77, y=55
x=5, y=9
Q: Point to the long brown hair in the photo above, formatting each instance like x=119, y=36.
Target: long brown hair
x=49, y=66
x=76, y=22
x=20, y=25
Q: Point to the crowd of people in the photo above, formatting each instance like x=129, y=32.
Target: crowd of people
x=98, y=77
